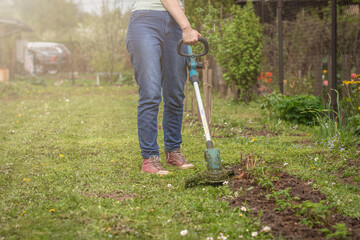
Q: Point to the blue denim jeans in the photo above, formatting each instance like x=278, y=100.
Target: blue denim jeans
x=159, y=71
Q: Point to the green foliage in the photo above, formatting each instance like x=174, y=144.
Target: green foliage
x=341, y=232
x=264, y=175
x=239, y=50
x=282, y=198
x=351, y=104
x=313, y=213
x=192, y=9
x=270, y=101
x=299, y=109
x=333, y=125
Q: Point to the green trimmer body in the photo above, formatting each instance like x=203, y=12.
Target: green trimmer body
x=215, y=172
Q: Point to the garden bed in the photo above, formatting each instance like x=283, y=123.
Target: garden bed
x=287, y=223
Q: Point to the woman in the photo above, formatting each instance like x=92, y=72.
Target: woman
x=154, y=30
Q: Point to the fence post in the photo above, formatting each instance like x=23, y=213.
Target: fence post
x=281, y=62
x=210, y=84
x=333, y=83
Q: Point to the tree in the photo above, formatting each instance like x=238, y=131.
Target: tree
x=103, y=40
x=239, y=50
x=51, y=20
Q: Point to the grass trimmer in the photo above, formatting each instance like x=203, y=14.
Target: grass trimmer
x=215, y=172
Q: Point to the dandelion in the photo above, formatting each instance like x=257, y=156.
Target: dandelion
x=254, y=234
x=253, y=139
x=243, y=209
x=52, y=210
x=169, y=185
x=184, y=232
x=226, y=183
x=266, y=229
x=26, y=179
x=20, y=115
x=314, y=168
x=112, y=160
x=60, y=155
x=23, y=213
x=325, y=71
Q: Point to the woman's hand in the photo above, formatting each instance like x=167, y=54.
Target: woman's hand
x=190, y=36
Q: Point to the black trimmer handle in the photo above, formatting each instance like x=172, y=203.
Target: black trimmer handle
x=202, y=40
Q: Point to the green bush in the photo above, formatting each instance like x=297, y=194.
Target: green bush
x=239, y=51
x=299, y=109
x=270, y=101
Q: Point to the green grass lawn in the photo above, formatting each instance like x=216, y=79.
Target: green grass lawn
x=70, y=167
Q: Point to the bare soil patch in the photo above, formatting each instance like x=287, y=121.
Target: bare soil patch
x=117, y=195
x=286, y=224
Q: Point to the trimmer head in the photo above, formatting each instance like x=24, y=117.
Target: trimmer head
x=215, y=174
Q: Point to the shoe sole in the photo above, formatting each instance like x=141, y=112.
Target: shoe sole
x=158, y=173
x=185, y=166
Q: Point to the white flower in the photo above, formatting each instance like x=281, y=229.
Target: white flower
x=226, y=183
x=254, y=234
x=169, y=185
x=241, y=236
x=203, y=189
x=315, y=159
x=266, y=229
x=184, y=232
x=285, y=164
x=209, y=238
x=243, y=209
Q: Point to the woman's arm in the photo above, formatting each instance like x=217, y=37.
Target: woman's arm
x=189, y=35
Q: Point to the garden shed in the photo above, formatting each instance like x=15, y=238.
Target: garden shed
x=9, y=34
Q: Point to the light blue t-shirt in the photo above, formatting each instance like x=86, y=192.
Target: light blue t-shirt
x=155, y=5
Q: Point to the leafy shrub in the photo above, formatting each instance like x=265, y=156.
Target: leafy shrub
x=239, y=50
x=270, y=101
x=299, y=109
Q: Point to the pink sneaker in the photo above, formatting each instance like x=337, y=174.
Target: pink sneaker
x=176, y=158
x=153, y=165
